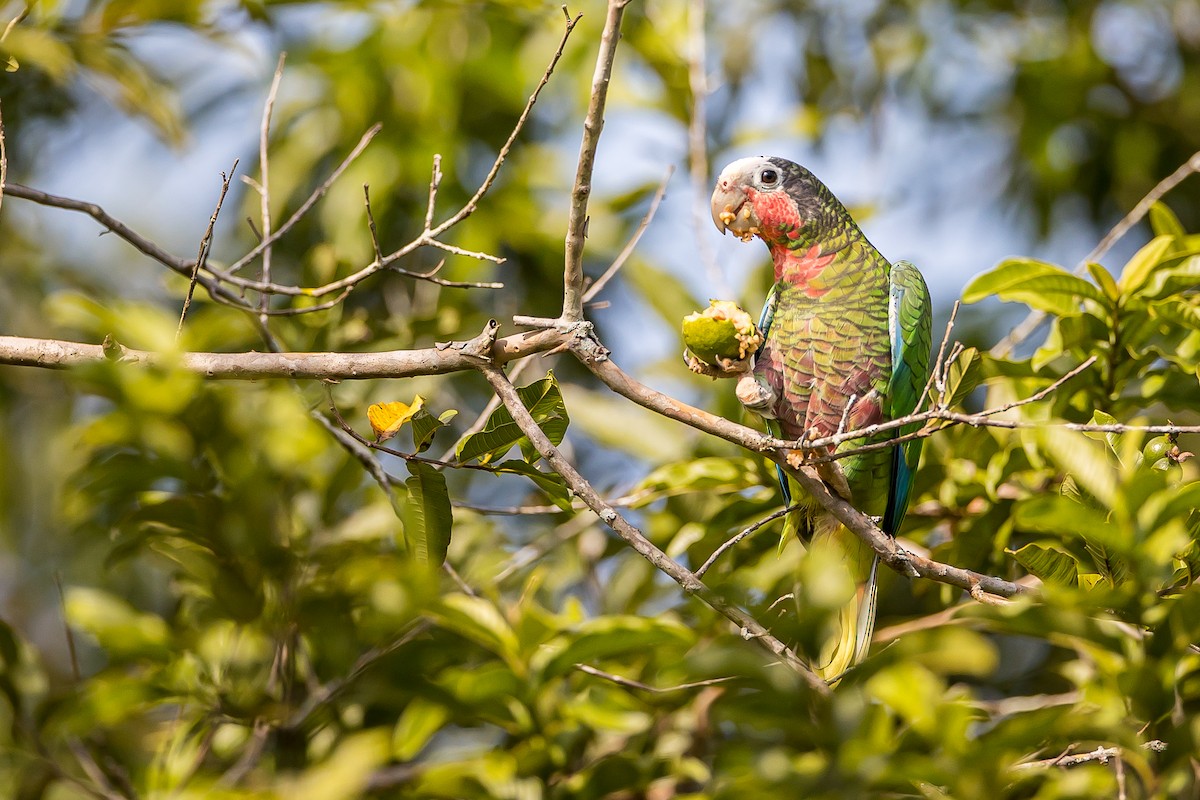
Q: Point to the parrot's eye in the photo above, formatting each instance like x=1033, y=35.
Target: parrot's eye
x=769, y=176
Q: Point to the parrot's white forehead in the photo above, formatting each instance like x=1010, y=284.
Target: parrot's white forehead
x=744, y=166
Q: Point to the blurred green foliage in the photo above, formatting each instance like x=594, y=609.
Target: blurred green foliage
x=245, y=615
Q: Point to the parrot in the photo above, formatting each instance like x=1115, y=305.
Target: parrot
x=846, y=345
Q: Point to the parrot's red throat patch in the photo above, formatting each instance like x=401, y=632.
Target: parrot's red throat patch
x=800, y=268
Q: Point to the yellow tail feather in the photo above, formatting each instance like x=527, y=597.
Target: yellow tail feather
x=856, y=619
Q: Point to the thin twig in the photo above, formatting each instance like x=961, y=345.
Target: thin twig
x=750, y=531
x=628, y=249
x=435, y=180
x=140, y=243
x=938, y=363
x=581, y=190
x=1101, y=755
x=645, y=687
x=3, y=159
x=300, y=212
x=67, y=632
x=371, y=224
x=205, y=245
x=471, y=205
x=264, y=187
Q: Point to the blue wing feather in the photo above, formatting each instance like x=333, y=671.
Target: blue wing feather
x=904, y=386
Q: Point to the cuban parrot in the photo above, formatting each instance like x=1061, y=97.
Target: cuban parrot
x=847, y=342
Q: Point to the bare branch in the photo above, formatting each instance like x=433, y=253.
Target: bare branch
x=572, y=310
x=300, y=212
x=1101, y=754
x=751, y=628
x=205, y=245
x=264, y=187
x=140, y=243
x=3, y=159
x=439, y=360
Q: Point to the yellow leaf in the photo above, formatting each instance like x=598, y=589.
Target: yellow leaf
x=387, y=418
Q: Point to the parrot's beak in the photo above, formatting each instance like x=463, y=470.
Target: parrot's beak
x=731, y=211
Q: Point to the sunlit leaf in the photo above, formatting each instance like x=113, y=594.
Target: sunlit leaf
x=1048, y=563
x=1037, y=284
x=116, y=626
x=544, y=401
x=1104, y=280
x=1139, y=268
x=963, y=376
x=421, y=719
x=479, y=621
x=1164, y=222
x=612, y=636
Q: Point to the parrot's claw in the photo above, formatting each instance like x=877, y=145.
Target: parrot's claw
x=829, y=471
x=722, y=368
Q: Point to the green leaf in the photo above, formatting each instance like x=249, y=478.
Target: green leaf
x=119, y=628
x=549, y=482
x=1164, y=222
x=1113, y=439
x=1037, y=284
x=1057, y=514
x=1112, y=567
x=608, y=637
x=425, y=426
x=963, y=376
x=422, y=718
x=1139, y=268
x=709, y=474
x=1049, y=563
x=1083, y=459
x=1104, y=280
x=1174, y=279
x=428, y=518
x=478, y=620
x=1178, y=312
x=544, y=400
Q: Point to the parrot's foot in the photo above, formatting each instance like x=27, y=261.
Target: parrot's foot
x=829, y=471
x=756, y=395
x=722, y=368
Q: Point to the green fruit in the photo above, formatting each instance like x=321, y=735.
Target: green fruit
x=721, y=331
x=1157, y=448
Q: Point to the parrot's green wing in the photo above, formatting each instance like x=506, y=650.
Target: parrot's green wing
x=909, y=324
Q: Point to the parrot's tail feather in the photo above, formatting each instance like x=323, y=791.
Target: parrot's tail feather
x=856, y=626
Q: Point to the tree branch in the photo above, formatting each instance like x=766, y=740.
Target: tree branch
x=438, y=360
x=750, y=627
x=572, y=310
x=595, y=358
